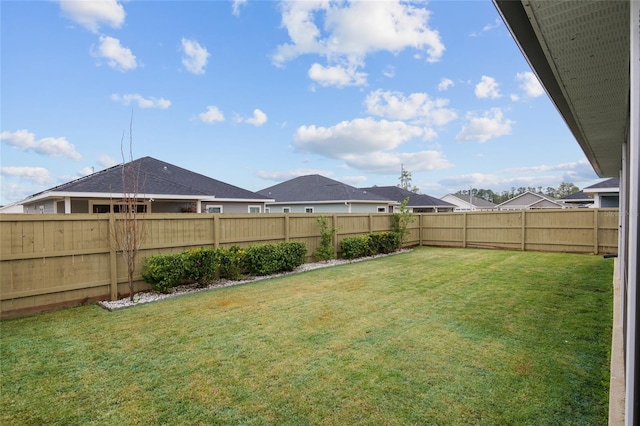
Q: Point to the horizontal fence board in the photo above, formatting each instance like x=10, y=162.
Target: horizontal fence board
x=57, y=260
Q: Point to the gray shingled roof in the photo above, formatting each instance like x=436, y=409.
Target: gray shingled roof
x=577, y=196
x=609, y=183
x=156, y=177
x=317, y=188
x=477, y=201
x=415, y=200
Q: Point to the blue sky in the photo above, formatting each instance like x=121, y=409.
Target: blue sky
x=257, y=92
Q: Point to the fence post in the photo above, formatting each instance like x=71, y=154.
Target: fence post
x=113, y=268
x=523, y=227
x=335, y=240
x=216, y=231
x=464, y=230
x=286, y=227
x=370, y=222
x=420, y=222
x=595, y=231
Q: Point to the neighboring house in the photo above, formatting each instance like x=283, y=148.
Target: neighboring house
x=465, y=203
x=605, y=193
x=12, y=208
x=319, y=194
x=162, y=188
x=417, y=203
x=578, y=199
x=531, y=200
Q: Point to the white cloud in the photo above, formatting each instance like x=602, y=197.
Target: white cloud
x=476, y=180
x=92, y=14
x=52, y=147
x=195, y=56
x=117, y=57
x=143, y=102
x=491, y=124
x=534, y=176
x=418, y=107
x=258, y=119
x=353, y=180
x=235, y=7
x=211, y=115
x=487, y=28
x=390, y=163
x=107, y=161
x=352, y=30
x=444, y=84
x=38, y=175
x=487, y=88
x=565, y=167
x=529, y=84
x=338, y=75
x=389, y=71
x=358, y=136
x=365, y=144
x=290, y=174
x=85, y=171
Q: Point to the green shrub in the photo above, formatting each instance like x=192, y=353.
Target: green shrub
x=324, y=251
x=356, y=246
x=231, y=262
x=400, y=221
x=200, y=265
x=263, y=259
x=163, y=271
x=269, y=259
x=293, y=254
x=384, y=242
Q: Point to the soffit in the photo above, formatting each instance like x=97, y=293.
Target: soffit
x=580, y=51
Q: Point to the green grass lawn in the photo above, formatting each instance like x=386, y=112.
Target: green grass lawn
x=435, y=336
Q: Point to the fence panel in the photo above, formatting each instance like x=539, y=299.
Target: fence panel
x=49, y=261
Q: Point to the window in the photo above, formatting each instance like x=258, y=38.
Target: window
x=308, y=209
x=214, y=209
x=267, y=209
x=286, y=210
x=117, y=208
x=123, y=208
x=254, y=209
x=382, y=209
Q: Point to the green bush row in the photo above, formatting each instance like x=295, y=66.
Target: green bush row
x=369, y=244
x=203, y=265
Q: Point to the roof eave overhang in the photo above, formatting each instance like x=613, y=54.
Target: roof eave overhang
x=60, y=195
x=335, y=202
x=602, y=146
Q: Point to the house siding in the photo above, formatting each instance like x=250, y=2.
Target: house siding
x=327, y=208
x=35, y=208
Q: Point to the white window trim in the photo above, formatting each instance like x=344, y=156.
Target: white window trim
x=213, y=206
x=382, y=209
x=309, y=208
x=254, y=207
x=286, y=210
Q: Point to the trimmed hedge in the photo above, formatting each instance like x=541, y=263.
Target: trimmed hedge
x=354, y=247
x=267, y=259
x=231, y=262
x=203, y=265
x=384, y=242
x=369, y=244
x=163, y=271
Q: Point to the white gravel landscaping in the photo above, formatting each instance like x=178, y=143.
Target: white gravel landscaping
x=153, y=296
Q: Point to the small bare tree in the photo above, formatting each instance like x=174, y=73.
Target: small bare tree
x=129, y=227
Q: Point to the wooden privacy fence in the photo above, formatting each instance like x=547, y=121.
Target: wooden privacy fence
x=51, y=261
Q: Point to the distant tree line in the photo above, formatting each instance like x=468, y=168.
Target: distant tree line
x=564, y=189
